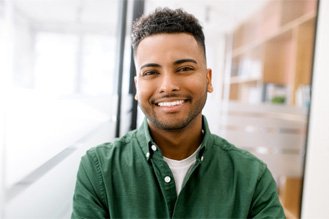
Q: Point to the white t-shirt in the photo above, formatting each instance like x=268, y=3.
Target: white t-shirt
x=179, y=168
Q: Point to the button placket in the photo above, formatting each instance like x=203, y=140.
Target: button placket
x=164, y=177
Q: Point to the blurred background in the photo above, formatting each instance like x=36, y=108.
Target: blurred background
x=66, y=78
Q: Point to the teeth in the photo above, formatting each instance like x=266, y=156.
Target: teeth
x=173, y=103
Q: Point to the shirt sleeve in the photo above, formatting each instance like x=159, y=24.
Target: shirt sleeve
x=266, y=202
x=89, y=200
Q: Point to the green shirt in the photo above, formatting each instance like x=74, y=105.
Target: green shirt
x=128, y=178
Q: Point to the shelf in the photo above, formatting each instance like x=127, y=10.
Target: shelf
x=283, y=30
x=276, y=45
x=244, y=79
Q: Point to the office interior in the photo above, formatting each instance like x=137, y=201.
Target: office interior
x=66, y=80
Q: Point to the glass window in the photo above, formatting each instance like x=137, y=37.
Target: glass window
x=55, y=67
x=97, y=74
x=57, y=71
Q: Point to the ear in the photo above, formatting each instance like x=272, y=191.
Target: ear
x=135, y=80
x=210, y=88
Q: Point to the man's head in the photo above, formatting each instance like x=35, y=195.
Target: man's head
x=172, y=79
x=167, y=21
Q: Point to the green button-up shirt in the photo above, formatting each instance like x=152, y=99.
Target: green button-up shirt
x=128, y=178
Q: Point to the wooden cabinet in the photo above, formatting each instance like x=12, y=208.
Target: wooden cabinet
x=273, y=47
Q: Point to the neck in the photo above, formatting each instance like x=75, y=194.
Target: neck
x=178, y=144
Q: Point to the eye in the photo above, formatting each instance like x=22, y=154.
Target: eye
x=185, y=69
x=149, y=73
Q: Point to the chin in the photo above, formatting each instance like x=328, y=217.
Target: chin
x=170, y=126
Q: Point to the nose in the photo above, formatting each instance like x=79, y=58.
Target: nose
x=169, y=83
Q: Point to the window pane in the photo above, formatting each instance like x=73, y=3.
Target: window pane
x=58, y=58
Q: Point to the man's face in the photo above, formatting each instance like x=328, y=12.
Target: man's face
x=172, y=80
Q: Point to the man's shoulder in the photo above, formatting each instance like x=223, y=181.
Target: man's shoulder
x=114, y=146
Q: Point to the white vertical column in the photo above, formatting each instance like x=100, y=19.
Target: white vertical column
x=2, y=116
x=6, y=71
x=2, y=140
x=316, y=189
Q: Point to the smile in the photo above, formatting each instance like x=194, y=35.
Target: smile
x=171, y=103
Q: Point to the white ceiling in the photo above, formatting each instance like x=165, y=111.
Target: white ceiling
x=93, y=15
x=92, y=11
x=216, y=15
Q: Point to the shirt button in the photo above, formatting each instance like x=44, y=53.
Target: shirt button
x=154, y=148
x=167, y=179
x=202, y=158
x=147, y=155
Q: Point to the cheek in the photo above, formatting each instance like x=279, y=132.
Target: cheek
x=198, y=85
x=143, y=91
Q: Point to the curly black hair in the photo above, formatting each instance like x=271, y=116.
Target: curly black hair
x=165, y=20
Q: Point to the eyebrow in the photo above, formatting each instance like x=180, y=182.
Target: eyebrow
x=150, y=65
x=177, y=62
x=180, y=61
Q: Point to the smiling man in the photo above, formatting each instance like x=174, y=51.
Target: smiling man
x=172, y=85
x=172, y=166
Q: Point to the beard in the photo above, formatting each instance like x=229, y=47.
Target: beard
x=174, y=123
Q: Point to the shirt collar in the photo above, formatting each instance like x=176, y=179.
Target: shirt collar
x=146, y=142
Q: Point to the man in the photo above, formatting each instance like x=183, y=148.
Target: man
x=172, y=166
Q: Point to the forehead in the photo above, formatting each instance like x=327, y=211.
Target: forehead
x=164, y=46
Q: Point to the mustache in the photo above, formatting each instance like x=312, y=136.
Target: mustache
x=169, y=96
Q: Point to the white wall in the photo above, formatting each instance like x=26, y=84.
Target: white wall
x=215, y=44
x=316, y=184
